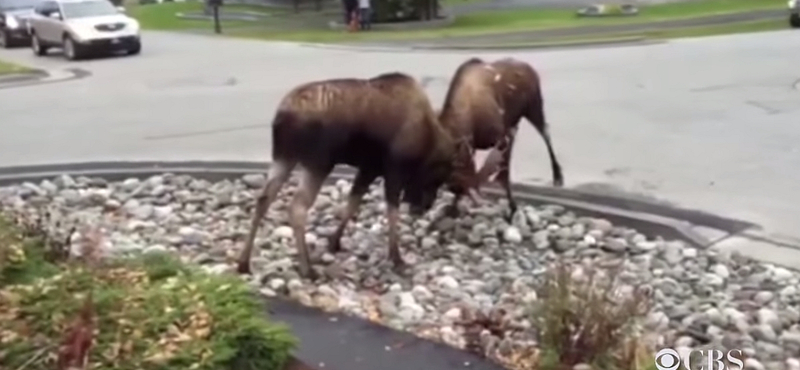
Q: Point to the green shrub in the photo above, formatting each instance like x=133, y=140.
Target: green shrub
x=149, y=312
x=586, y=320
x=387, y=11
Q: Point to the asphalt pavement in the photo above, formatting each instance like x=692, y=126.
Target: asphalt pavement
x=709, y=124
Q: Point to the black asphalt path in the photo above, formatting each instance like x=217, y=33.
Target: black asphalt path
x=338, y=342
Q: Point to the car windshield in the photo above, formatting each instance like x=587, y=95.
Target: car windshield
x=18, y=4
x=87, y=9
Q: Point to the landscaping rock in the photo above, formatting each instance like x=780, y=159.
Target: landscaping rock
x=473, y=265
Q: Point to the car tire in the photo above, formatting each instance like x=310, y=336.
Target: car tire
x=135, y=50
x=72, y=51
x=794, y=20
x=36, y=46
x=4, y=40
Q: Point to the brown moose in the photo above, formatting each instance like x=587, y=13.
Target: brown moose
x=384, y=126
x=484, y=104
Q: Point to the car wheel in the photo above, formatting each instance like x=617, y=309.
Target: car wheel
x=71, y=49
x=4, y=39
x=36, y=46
x=794, y=20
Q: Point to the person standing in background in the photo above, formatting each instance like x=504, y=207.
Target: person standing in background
x=350, y=7
x=364, y=14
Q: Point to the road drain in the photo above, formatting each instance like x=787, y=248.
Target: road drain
x=193, y=82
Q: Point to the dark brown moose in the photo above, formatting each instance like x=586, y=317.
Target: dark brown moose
x=384, y=126
x=484, y=104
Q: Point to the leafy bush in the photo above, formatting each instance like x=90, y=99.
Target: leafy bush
x=388, y=11
x=589, y=318
x=140, y=313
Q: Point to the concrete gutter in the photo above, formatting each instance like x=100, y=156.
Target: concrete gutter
x=41, y=76
x=611, y=41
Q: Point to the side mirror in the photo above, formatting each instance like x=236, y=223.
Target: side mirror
x=55, y=15
x=121, y=9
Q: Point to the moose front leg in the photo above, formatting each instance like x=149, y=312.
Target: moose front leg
x=502, y=166
x=360, y=187
x=392, y=190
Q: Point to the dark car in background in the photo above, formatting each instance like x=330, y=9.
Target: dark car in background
x=14, y=15
x=794, y=13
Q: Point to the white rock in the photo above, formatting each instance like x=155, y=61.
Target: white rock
x=217, y=269
x=781, y=274
x=769, y=317
x=162, y=212
x=277, y=283
x=422, y=293
x=753, y=364
x=447, y=282
x=453, y=314
x=721, y=271
x=282, y=232
x=406, y=300
x=156, y=248
x=512, y=235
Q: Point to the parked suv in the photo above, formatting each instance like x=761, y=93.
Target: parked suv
x=83, y=26
x=794, y=13
x=14, y=16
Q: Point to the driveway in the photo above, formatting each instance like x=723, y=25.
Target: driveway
x=704, y=123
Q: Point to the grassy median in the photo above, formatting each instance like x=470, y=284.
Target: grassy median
x=7, y=68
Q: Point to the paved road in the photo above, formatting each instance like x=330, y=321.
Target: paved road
x=704, y=123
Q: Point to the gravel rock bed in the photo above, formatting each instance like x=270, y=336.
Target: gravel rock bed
x=471, y=279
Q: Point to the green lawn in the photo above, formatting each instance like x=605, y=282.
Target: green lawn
x=7, y=68
x=162, y=16
x=309, y=26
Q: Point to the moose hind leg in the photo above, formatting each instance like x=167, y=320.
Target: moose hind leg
x=278, y=174
x=536, y=117
x=360, y=187
x=310, y=184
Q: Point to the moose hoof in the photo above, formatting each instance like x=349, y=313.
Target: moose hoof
x=243, y=268
x=334, y=244
x=451, y=211
x=310, y=274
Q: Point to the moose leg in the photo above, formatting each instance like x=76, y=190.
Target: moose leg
x=278, y=174
x=310, y=184
x=360, y=187
x=504, y=148
x=392, y=189
x=536, y=117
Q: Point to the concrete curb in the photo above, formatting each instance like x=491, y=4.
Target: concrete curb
x=44, y=77
x=649, y=218
x=697, y=228
x=633, y=40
